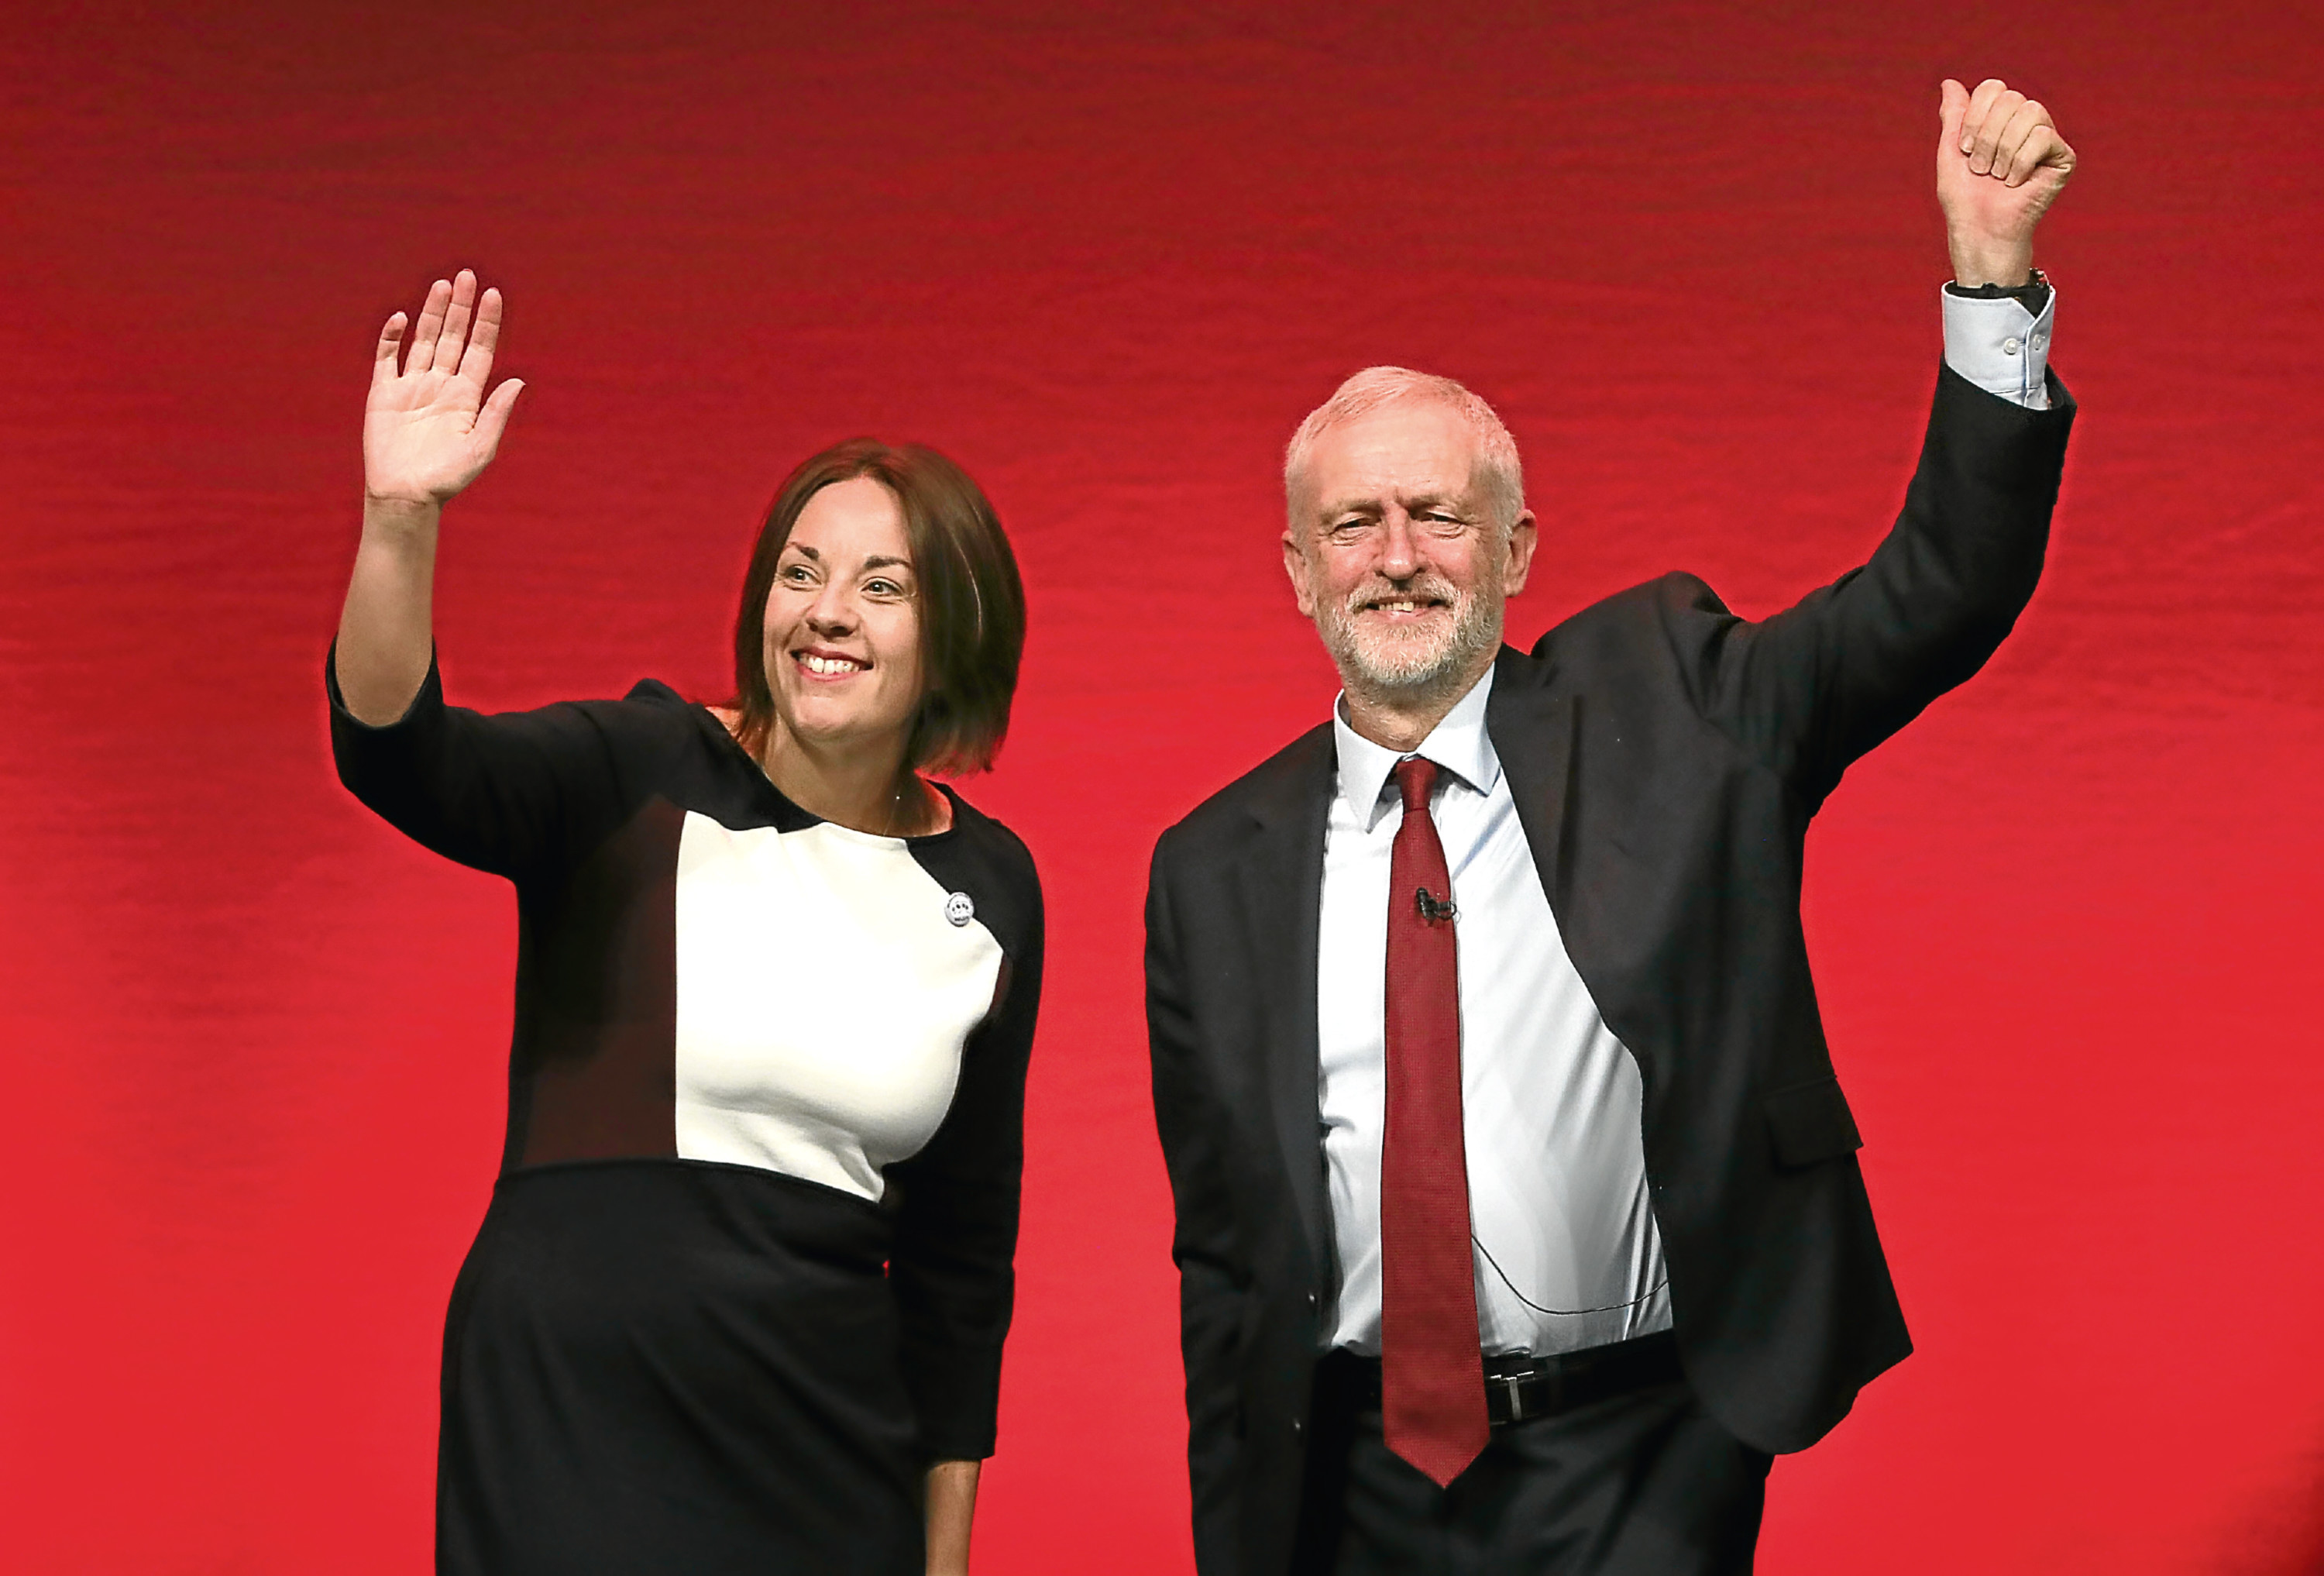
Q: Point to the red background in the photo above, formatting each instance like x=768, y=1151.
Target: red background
x=2066, y=925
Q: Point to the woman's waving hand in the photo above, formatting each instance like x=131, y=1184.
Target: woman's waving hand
x=430, y=428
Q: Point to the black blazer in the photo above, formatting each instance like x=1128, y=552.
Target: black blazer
x=1666, y=757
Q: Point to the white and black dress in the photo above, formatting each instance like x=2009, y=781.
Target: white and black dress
x=747, y=1267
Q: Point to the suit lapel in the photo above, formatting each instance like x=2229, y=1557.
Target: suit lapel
x=1532, y=725
x=1282, y=886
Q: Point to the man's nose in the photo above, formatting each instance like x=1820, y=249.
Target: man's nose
x=1399, y=546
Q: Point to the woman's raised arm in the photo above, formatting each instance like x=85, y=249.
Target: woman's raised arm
x=429, y=430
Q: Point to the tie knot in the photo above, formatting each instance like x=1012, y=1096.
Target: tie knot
x=1413, y=778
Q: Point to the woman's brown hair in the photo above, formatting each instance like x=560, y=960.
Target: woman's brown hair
x=970, y=601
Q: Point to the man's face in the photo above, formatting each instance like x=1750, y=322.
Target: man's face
x=1392, y=551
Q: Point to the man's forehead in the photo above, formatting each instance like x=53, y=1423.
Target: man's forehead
x=1412, y=451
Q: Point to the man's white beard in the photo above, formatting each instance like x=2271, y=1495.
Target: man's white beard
x=1384, y=662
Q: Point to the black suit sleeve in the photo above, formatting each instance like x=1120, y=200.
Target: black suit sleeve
x=951, y=1263
x=1211, y=1276
x=1819, y=684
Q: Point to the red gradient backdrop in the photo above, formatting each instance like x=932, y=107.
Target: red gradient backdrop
x=2066, y=927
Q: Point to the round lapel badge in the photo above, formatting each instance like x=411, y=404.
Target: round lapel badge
x=959, y=909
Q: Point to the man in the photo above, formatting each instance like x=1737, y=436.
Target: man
x=1519, y=1216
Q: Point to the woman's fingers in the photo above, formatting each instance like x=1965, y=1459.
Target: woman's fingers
x=477, y=361
x=391, y=341
x=430, y=328
x=456, y=335
x=454, y=338
x=492, y=419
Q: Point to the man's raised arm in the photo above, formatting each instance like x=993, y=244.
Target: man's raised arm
x=1819, y=684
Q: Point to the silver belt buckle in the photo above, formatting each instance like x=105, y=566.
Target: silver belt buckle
x=1513, y=1387
x=1543, y=1371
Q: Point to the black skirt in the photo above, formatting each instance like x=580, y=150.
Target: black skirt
x=655, y=1366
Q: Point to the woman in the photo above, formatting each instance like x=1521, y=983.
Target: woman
x=775, y=991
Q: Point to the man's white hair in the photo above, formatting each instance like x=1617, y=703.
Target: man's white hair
x=1497, y=476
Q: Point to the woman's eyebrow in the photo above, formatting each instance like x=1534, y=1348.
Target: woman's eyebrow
x=880, y=561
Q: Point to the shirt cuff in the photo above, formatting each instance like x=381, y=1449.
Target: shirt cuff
x=2000, y=346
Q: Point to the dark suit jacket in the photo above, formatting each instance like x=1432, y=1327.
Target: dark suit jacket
x=1666, y=757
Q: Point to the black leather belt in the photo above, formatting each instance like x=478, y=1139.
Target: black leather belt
x=1520, y=1387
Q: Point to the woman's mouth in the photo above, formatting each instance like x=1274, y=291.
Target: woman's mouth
x=829, y=664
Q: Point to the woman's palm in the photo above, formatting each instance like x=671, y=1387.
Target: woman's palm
x=428, y=429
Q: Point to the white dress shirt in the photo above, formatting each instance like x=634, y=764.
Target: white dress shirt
x=1550, y=1098
x=1568, y=1254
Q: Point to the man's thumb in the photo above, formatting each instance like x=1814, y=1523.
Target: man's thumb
x=1952, y=107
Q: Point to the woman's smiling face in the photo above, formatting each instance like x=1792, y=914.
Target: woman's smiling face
x=842, y=623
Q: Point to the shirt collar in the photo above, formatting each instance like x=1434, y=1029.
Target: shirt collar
x=1458, y=744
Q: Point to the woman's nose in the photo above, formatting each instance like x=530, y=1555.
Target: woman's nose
x=831, y=611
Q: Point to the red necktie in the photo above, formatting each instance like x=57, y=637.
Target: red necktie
x=1432, y=1380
